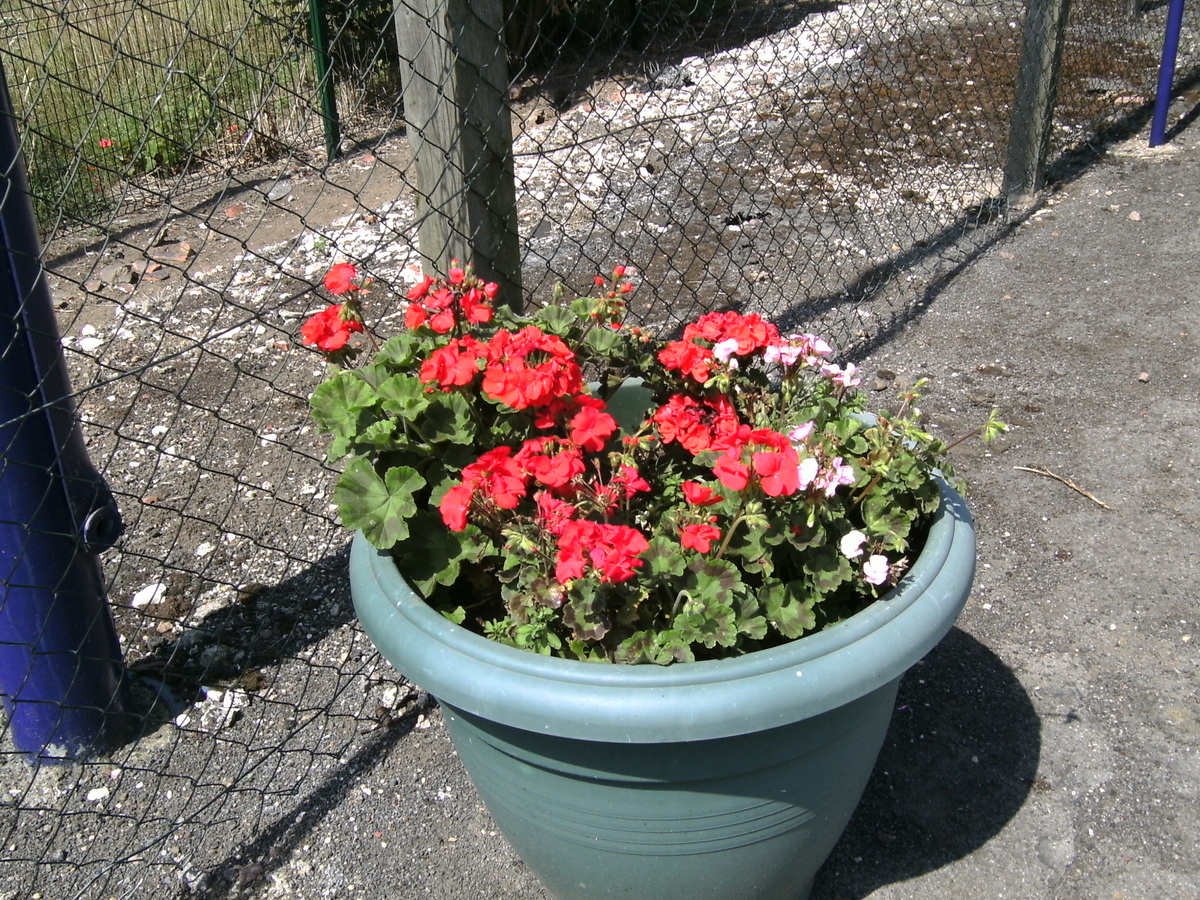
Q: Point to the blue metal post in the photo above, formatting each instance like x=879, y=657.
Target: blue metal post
x=61, y=678
x=1166, y=73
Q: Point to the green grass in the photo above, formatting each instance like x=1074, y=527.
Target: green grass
x=108, y=94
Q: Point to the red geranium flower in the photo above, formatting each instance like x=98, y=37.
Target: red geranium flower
x=699, y=537
x=591, y=428
x=340, y=279
x=552, y=462
x=612, y=550
x=698, y=494
x=454, y=365
x=530, y=368
x=327, y=330
x=699, y=425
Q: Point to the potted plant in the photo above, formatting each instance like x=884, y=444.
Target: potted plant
x=663, y=590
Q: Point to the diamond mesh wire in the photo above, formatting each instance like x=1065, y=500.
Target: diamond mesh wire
x=826, y=164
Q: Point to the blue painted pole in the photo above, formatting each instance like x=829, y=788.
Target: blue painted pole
x=1166, y=73
x=61, y=678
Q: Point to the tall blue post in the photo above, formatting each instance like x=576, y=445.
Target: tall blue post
x=1166, y=73
x=61, y=678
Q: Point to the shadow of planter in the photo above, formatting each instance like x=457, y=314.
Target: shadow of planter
x=959, y=760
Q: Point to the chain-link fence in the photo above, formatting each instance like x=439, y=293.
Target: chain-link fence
x=828, y=164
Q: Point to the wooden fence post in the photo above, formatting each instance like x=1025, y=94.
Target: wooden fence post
x=1037, y=84
x=455, y=78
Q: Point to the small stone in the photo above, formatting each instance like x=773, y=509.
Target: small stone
x=1135, y=216
x=151, y=593
x=1144, y=377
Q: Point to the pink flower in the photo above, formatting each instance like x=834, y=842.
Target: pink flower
x=875, y=569
x=105, y=142
x=834, y=476
x=851, y=544
x=801, y=433
x=724, y=350
x=842, y=377
x=809, y=469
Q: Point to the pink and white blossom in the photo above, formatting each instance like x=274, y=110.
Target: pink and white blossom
x=834, y=476
x=851, y=544
x=809, y=469
x=801, y=433
x=724, y=350
x=875, y=569
x=847, y=376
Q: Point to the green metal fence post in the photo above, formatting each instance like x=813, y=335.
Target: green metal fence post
x=326, y=84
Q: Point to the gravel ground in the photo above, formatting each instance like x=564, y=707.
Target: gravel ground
x=1045, y=750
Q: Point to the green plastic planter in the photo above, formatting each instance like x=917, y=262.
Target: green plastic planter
x=729, y=780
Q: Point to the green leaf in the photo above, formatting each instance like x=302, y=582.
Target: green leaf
x=603, y=342
x=403, y=396
x=432, y=554
x=750, y=620
x=585, y=613
x=379, y=507
x=828, y=569
x=337, y=407
x=707, y=616
x=748, y=544
x=555, y=319
x=400, y=351
x=663, y=560
x=888, y=516
x=659, y=648
x=789, y=607
x=448, y=419
x=378, y=434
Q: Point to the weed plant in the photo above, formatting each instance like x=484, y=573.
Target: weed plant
x=108, y=94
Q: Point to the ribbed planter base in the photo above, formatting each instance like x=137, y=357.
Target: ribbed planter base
x=729, y=780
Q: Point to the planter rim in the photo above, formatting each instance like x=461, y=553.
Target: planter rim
x=686, y=701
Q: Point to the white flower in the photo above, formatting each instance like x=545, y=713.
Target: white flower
x=851, y=544
x=842, y=377
x=875, y=569
x=808, y=472
x=801, y=433
x=723, y=350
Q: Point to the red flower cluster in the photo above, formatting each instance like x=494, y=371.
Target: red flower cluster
x=701, y=424
x=714, y=338
x=530, y=368
x=495, y=475
x=761, y=454
x=453, y=365
x=328, y=330
x=613, y=551
x=462, y=298
x=501, y=479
